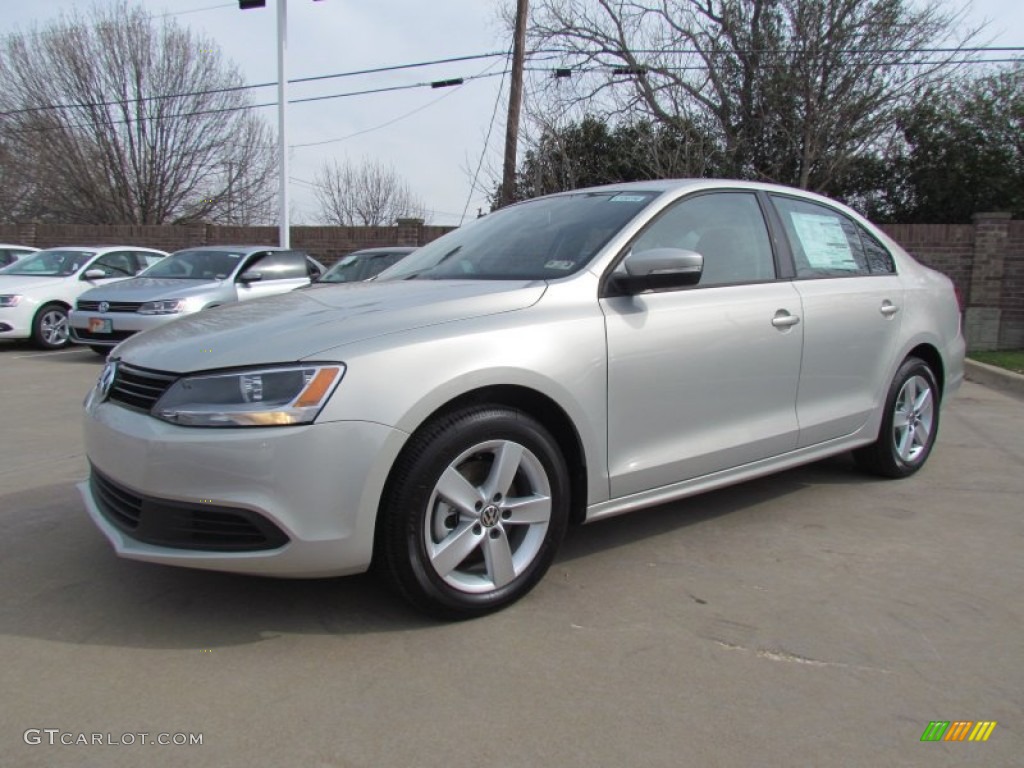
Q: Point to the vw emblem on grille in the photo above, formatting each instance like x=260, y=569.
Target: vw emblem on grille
x=104, y=306
x=107, y=379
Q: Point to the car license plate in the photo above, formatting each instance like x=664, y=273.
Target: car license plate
x=100, y=325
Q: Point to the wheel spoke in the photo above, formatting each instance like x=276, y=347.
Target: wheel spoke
x=900, y=419
x=459, y=492
x=923, y=400
x=906, y=439
x=455, y=548
x=503, y=470
x=498, y=556
x=527, y=510
x=922, y=432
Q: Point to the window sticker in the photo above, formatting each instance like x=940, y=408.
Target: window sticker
x=557, y=264
x=824, y=241
x=628, y=199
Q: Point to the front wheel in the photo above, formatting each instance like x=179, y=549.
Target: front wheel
x=476, y=507
x=909, y=424
x=50, y=327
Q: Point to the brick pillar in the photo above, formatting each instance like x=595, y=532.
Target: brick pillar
x=984, y=306
x=27, y=233
x=410, y=232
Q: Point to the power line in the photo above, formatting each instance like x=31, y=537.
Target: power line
x=487, y=143
x=193, y=10
x=236, y=88
x=393, y=120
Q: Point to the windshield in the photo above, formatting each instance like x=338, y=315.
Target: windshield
x=196, y=265
x=52, y=263
x=542, y=239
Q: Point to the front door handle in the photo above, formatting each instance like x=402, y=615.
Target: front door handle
x=888, y=308
x=783, y=319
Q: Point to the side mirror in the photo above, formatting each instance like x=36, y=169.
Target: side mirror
x=659, y=268
x=250, y=276
x=94, y=274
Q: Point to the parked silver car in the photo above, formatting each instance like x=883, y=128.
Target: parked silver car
x=185, y=282
x=561, y=360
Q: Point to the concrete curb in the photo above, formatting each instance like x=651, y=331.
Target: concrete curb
x=994, y=377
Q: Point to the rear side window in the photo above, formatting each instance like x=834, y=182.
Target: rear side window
x=826, y=243
x=880, y=261
x=280, y=265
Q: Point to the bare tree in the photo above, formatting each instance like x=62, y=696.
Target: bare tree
x=369, y=193
x=127, y=119
x=793, y=90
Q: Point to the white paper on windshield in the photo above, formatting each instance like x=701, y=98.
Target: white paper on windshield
x=824, y=242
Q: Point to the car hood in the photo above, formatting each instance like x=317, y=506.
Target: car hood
x=29, y=283
x=149, y=289
x=300, y=324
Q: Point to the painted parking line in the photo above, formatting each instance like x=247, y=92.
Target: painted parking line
x=45, y=354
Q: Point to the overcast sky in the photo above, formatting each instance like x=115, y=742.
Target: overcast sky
x=434, y=138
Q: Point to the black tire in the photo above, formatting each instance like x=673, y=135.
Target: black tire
x=101, y=351
x=50, y=327
x=508, y=544
x=900, y=449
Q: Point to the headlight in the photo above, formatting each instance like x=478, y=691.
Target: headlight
x=10, y=300
x=165, y=307
x=265, y=397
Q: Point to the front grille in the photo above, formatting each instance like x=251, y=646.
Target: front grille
x=181, y=525
x=139, y=387
x=114, y=306
x=84, y=335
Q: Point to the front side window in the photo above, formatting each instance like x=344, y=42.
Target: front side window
x=726, y=228
x=116, y=264
x=279, y=265
x=56, y=262
x=541, y=239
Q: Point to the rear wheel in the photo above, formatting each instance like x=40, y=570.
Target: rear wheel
x=474, y=513
x=909, y=425
x=50, y=327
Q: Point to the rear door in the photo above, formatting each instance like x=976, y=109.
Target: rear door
x=852, y=301
x=704, y=378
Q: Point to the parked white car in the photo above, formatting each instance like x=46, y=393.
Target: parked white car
x=37, y=291
x=11, y=253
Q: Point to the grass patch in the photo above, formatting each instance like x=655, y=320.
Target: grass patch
x=1011, y=360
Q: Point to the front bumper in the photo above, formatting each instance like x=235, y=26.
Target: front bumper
x=318, y=484
x=123, y=325
x=16, y=322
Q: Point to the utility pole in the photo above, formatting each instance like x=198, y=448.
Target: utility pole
x=515, y=100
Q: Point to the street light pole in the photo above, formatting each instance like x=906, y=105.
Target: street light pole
x=284, y=237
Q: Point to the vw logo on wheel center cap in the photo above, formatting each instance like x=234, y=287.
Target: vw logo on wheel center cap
x=490, y=516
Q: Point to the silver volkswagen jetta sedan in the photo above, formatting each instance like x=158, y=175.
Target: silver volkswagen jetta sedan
x=561, y=360
x=186, y=282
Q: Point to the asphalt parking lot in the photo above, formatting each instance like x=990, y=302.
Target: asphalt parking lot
x=817, y=617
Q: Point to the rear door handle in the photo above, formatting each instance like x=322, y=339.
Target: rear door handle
x=888, y=308
x=783, y=319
